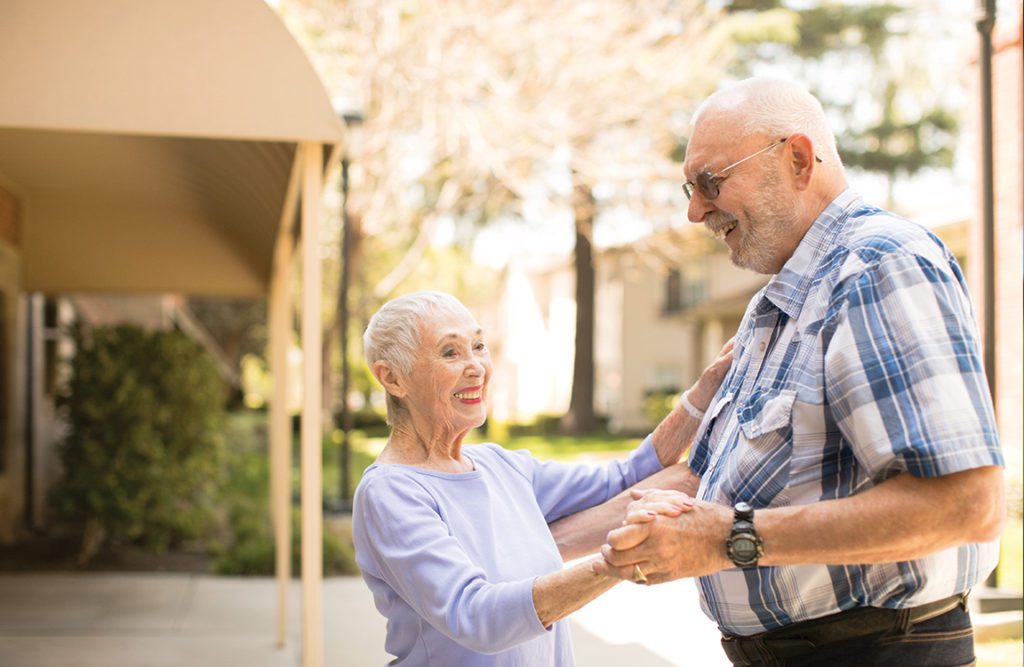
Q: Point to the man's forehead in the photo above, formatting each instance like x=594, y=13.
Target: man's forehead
x=715, y=143
x=705, y=146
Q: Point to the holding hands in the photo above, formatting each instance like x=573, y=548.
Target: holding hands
x=669, y=536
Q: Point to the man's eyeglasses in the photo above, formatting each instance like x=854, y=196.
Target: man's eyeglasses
x=709, y=184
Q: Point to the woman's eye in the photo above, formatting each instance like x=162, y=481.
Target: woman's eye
x=479, y=346
x=448, y=352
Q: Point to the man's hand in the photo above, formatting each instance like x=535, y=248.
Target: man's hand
x=667, y=548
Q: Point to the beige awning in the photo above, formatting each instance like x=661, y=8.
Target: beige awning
x=168, y=146
x=151, y=143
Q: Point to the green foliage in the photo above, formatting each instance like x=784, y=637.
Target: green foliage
x=657, y=404
x=246, y=546
x=897, y=123
x=142, y=454
x=253, y=553
x=568, y=448
x=238, y=325
x=545, y=424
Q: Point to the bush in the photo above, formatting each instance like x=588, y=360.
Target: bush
x=142, y=454
x=246, y=545
x=658, y=403
x=253, y=553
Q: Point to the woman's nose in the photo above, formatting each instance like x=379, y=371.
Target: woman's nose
x=474, y=368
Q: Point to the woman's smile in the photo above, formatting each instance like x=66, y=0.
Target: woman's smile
x=470, y=394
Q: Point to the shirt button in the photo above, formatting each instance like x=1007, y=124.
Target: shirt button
x=763, y=346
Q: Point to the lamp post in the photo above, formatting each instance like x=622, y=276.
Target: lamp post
x=352, y=120
x=985, y=23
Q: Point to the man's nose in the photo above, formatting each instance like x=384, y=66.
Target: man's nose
x=699, y=207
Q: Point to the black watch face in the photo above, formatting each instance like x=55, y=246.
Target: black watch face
x=744, y=549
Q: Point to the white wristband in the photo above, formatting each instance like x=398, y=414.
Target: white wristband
x=690, y=408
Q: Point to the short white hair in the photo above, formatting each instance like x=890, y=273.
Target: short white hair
x=393, y=334
x=775, y=107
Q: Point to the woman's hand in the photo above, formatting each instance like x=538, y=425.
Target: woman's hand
x=649, y=503
x=705, y=388
x=673, y=435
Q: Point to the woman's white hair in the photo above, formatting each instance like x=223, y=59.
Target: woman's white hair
x=774, y=107
x=393, y=334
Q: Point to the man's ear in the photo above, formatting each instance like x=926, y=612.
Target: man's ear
x=392, y=382
x=802, y=161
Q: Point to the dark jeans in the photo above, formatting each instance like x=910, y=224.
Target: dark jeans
x=944, y=641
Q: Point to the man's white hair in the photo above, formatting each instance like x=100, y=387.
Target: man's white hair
x=775, y=107
x=393, y=334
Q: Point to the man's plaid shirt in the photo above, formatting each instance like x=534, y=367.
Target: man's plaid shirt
x=858, y=361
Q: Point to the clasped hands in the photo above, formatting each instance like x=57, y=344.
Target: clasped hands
x=666, y=535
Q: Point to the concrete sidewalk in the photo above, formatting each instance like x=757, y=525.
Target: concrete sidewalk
x=173, y=620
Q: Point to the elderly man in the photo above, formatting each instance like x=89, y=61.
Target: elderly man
x=847, y=477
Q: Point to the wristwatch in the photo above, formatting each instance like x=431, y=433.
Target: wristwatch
x=744, y=546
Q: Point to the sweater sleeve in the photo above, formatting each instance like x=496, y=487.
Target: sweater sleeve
x=401, y=538
x=562, y=489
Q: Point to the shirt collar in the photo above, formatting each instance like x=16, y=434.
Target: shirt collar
x=788, y=288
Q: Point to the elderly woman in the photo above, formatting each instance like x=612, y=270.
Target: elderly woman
x=454, y=541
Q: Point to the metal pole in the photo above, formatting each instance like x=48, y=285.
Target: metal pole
x=352, y=120
x=345, y=415
x=986, y=22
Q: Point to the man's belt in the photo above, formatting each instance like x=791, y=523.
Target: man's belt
x=803, y=638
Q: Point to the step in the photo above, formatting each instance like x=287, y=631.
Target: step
x=989, y=600
x=998, y=625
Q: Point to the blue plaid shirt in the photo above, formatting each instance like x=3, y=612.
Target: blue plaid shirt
x=858, y=361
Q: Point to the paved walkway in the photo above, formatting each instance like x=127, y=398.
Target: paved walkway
x=174, y=620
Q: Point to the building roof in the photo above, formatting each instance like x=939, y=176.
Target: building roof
x=151, y=144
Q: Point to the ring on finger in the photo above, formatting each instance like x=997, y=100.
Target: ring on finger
x=638, y=575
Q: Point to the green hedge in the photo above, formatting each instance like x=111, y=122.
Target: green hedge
x=142, y=454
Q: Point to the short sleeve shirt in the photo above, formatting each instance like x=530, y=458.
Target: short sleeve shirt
x=858, y=361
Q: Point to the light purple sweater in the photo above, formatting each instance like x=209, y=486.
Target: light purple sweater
x=451, y=557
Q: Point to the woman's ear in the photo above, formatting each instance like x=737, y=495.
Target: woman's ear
x=392, y=382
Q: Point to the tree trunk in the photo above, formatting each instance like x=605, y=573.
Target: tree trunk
x=581, y=419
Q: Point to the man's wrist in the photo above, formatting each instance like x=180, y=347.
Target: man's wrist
x=744, y=545
x=724, y=525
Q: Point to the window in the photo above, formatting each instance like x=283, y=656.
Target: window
x=685, y=288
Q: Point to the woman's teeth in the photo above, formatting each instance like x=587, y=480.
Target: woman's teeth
x=469, y=395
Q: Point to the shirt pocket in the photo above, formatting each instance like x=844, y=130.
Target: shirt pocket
x=768, y=413
x=764, y=450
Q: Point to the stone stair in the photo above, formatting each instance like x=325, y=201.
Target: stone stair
x=996, y=614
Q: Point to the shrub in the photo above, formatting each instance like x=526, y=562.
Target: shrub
x=658, y=403
x=141, y=456
x=253, y=553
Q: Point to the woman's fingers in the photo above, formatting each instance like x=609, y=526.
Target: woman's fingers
x=657, y=501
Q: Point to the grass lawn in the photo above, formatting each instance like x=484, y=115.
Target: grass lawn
x=365, y=449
